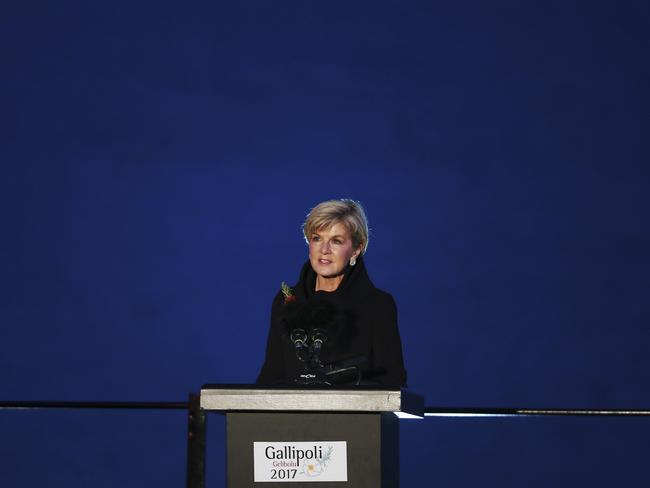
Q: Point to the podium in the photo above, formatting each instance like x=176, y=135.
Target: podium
x=298, y=436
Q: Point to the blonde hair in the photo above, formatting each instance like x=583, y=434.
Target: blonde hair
x=345, y=211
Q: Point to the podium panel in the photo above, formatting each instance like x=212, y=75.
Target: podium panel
x=371, y=441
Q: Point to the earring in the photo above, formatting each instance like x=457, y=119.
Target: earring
x=353, y=261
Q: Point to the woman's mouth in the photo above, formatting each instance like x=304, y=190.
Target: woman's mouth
x=324, y=261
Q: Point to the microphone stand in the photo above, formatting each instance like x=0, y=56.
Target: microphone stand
x=313, y=374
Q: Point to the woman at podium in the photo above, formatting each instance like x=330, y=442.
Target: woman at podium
x=334, y=326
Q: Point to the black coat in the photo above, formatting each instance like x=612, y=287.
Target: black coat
x=361, y=321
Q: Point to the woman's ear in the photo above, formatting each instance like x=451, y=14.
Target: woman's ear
x=357, y=251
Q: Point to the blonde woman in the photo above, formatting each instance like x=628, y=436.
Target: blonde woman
x=334, y=326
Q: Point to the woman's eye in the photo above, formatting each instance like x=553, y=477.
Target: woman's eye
x=336, y=241
x=315, y=238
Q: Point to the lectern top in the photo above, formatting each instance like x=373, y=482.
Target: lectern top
x=351, y=399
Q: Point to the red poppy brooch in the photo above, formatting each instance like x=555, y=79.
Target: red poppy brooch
x=287, y=291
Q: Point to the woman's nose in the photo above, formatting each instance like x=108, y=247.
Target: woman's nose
x=325, y=247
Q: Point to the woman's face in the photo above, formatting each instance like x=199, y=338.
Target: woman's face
x=330, y=250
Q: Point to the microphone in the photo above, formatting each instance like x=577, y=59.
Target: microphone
x=299, y=339
x=318, y=338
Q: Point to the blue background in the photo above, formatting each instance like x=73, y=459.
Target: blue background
x=158, y=159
